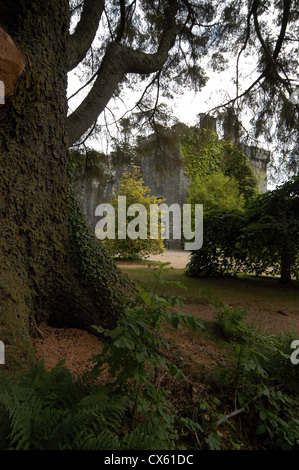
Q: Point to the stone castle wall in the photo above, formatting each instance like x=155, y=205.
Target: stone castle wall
x=258, y=159
x=167, y=181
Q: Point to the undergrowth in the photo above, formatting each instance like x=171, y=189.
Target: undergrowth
x=262, y=379
x=149, y=402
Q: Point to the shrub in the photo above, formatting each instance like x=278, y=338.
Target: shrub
x=204, y=155
x=263, y=238
x=131, y=186
x=263, y=380
x=216, y=192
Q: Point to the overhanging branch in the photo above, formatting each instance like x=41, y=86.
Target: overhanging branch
x=81, y=40
x=273, y=65
x=285, y=19
x=109, y=76
x=118, y=61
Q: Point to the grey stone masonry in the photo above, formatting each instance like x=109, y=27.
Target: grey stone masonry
x=166, y=179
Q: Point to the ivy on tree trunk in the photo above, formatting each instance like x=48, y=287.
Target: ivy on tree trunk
x=41, y=274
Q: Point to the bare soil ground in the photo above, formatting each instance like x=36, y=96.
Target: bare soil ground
x=77, y=347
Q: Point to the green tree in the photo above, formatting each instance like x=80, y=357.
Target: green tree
x=216, y=192
x=273, y=228
x=204, y=154
x=263, y=238
x=132, y=187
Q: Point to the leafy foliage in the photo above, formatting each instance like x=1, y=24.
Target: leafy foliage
x=132, y=187
x=265, y=380
x=97, y=270
x=204, y=155
x=134, y=354
x=50, y=410
x=220, y=255
x=262, y=239
x=87, y=164
x=137, y=339
x=216, y=192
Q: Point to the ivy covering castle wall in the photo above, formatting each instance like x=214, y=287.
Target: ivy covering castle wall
x=166, y=162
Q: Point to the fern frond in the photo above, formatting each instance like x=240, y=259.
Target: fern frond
x=21, y=406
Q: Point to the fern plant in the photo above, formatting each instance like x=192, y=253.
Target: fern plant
x=49, y=410
x=135, y=352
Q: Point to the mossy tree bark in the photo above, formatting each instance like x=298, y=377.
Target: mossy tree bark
x=42, y=276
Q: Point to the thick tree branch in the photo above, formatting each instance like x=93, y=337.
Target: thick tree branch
x=80, y=41
x=118, y=61
x=285, y=19
x=110, y=74
x=273, y=65
x=270, y=58
x=122, y=24
x=143, y=63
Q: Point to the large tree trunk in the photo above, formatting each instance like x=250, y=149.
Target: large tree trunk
x=43, y=275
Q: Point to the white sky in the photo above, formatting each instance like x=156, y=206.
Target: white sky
x=219, y=89
x=186, y=106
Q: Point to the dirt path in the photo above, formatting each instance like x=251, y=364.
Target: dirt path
x=178, y=259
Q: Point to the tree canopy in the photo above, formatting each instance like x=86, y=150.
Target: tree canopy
x=137, y=221
x=216, y=192
x=205, y=155
x=264, y=239
x=165, y=46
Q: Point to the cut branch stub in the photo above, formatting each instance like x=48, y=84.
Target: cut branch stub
x=12, y=65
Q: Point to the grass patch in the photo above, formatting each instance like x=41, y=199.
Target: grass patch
x=249, y=292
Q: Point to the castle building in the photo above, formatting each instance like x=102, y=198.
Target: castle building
x=166, y=180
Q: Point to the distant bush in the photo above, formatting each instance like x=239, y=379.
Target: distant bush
x=263, y=238
x=204, y=154
x=216, y=192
